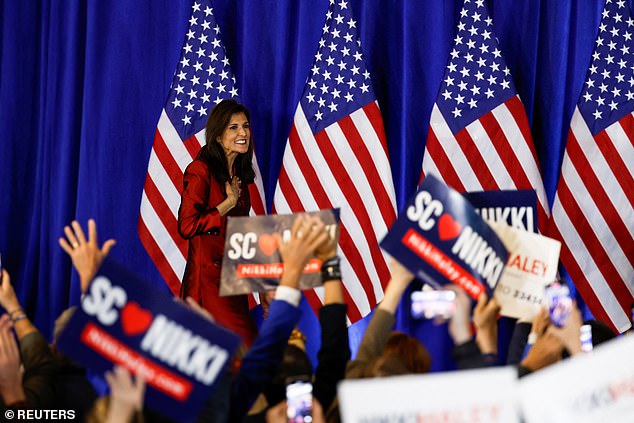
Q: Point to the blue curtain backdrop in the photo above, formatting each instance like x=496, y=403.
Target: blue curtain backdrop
x=82, y=84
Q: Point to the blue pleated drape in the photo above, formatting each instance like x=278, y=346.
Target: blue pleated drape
x=82, y=84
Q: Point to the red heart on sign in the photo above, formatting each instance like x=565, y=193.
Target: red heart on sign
x=268, y=244
x=448, y=228
x=134, y=319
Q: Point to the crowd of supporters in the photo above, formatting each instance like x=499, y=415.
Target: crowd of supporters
x=36, y=375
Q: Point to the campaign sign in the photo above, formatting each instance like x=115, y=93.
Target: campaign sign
x=440, y=238
x=124, y=320
x=588, y=387
x=532, y=264
x=467, y=396
x=516, y=208
x=252, y=261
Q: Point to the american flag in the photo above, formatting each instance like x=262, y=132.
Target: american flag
x=593, y=212
x=479, y=138
x=336, y=156
x=202, y=79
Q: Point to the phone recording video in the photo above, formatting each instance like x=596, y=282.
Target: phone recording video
x=433, y=304
x=559, y=303
x=586, y=338
x=299, y=401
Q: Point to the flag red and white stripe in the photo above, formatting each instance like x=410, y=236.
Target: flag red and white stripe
x=494, y=152
x=202, y=78
x=336, y=157
x=593, y=215
x=593, y=211
x=479, y=137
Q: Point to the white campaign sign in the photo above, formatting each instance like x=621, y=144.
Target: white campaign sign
x=469, y=396
x=531, y=265
x=593, y=387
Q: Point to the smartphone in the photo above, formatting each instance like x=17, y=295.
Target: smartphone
x=586, y=338
x=559, y=303
x=299, y=401
x=432, y=304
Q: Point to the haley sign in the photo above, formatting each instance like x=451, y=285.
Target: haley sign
x=123, y=320
x=532, y=264
x=440, y=238
x=252, y=261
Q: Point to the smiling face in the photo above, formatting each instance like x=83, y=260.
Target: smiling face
x=235, y=138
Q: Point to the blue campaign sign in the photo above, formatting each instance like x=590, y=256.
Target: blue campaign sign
x=517, y=209
x=124, y=320
x=440, y=238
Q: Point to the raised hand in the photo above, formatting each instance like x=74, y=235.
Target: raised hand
x=570, y=333
x=307, y=234
x=401, y=277
x=8, y=299
x=485, y=315
x=326, y=249
x=126, y=395
x=86, y=255
x=460, y=323
x=546, y=351
x=11, y=388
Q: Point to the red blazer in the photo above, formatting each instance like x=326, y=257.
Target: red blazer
x=200, y=222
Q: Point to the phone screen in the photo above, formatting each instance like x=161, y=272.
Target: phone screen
x=586, y=338
x=299, y=402
x=559, y=303
x=432, y=304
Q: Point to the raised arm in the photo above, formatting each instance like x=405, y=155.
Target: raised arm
x=379, y=328
x=334, y=352
x=39, y=367
x=261, y=362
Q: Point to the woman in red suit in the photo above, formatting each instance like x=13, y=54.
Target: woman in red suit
x=214, y=187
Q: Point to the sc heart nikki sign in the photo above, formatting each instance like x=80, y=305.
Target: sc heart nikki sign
x=448, y=228
x=124, y=321
x=252, y=261
x=268, y=244
x=440, y=238
x=134, y=319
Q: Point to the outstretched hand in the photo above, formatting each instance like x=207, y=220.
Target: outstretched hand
x=85, y=254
